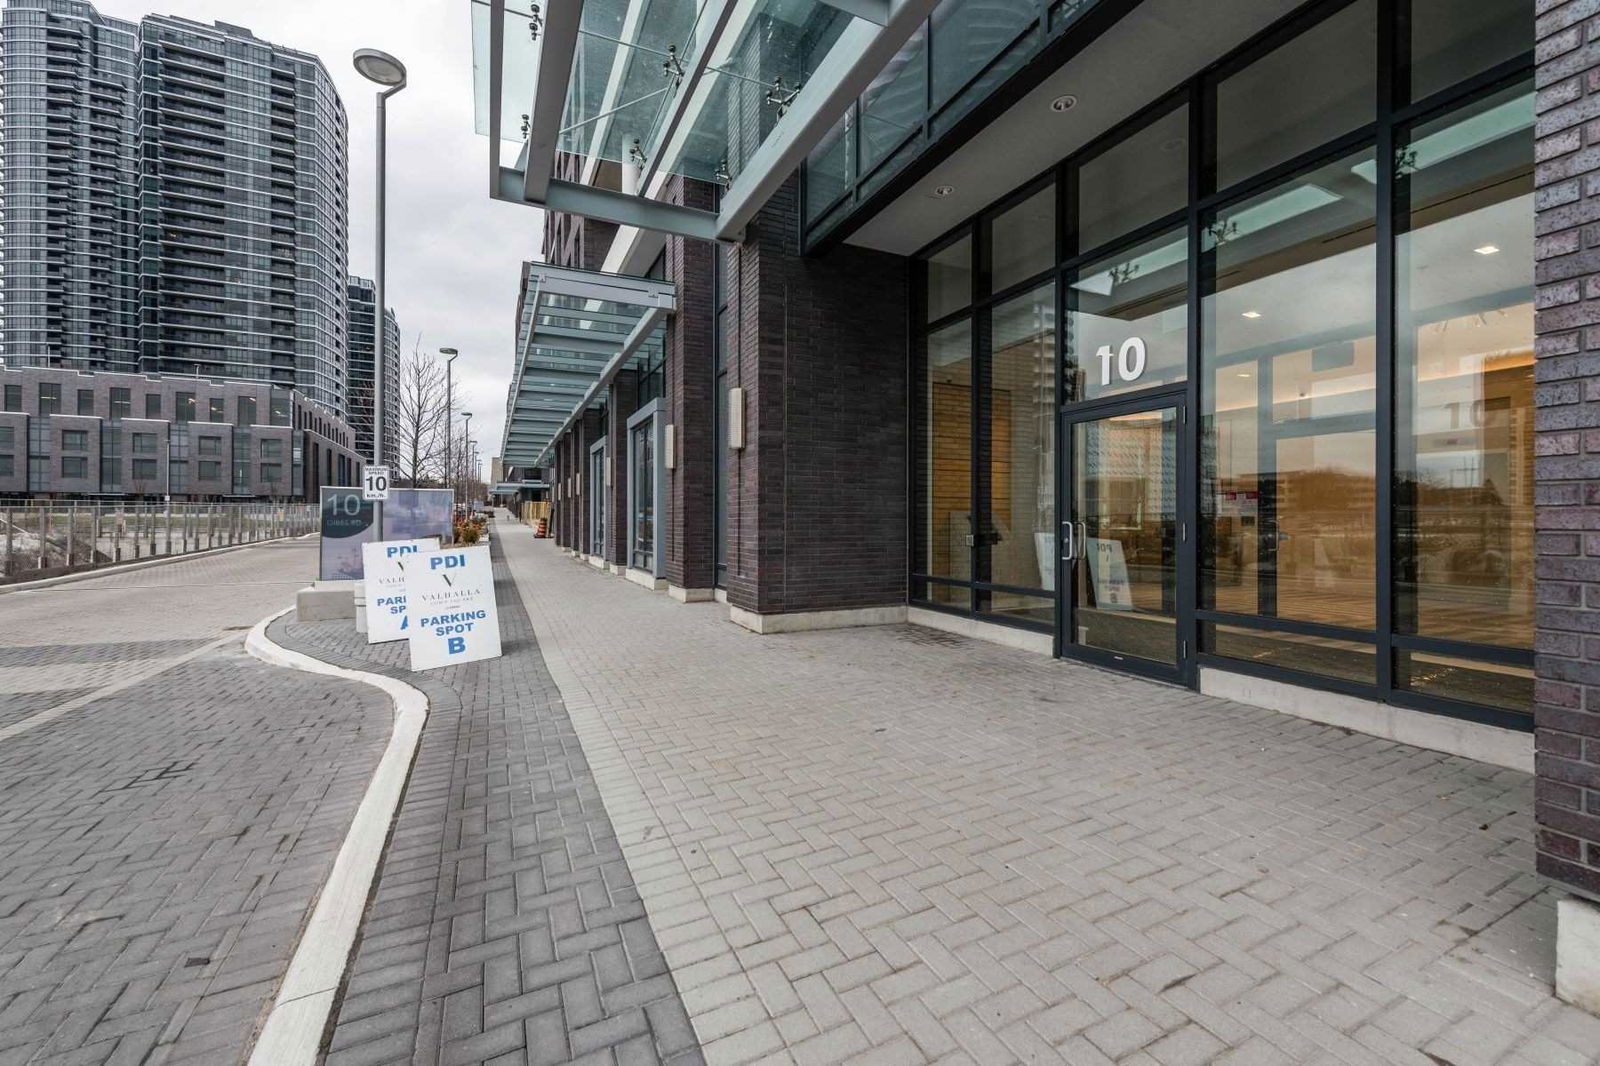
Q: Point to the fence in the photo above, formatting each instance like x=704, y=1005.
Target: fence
x=46, y=538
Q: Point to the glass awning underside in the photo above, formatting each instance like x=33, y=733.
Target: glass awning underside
x=578, y=329
x=734, y=92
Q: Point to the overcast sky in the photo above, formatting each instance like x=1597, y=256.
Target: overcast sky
x=454, y=254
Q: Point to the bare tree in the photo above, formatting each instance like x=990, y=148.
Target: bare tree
x=419, y=418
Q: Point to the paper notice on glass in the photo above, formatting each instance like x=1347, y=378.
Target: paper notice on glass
x=1108, y=569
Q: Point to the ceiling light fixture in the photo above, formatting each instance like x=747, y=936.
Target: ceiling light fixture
x=1252, y=314
x=1065, y=102
x=941, y=191
x=1487, y=249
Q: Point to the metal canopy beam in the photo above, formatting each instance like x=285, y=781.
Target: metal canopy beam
x=647, y=324
x=861, y=51
x=558, y=41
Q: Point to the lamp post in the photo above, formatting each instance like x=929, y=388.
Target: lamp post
x=466, y=436
x=450, y=357
x=383, y=69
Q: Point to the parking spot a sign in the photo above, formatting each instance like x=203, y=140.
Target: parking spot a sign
x=384, y=564
x=375, y=483
x=450, y=603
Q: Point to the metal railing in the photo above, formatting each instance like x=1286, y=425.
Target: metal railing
x=50, y=537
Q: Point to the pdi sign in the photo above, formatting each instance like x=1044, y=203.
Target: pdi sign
x=384, y=563
x=450, y=601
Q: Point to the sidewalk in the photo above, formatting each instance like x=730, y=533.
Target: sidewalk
x=505, y=926
x=890, y=845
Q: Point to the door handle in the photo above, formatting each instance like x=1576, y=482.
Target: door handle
x=1069, y=551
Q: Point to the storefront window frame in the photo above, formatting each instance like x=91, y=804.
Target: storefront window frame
x=1394, y=115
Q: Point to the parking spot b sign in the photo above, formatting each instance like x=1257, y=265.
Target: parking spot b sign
x=450, y=600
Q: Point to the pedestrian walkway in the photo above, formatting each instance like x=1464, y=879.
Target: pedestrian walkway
x=889, y=845
x=505, y=927
x=162, y=841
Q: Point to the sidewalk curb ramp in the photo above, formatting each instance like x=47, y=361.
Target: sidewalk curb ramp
x=294, y=1028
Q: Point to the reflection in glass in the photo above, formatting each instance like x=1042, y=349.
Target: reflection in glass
x=967, y=34
x=950, y=279
x=1318, y=86
x=892, y=106
x=1138, y=180
x=1019, y=538
x=1464, y=478
x=1023, y=240
x=1344, y=659
x=946, y=454
x=1447, y=677
x=1125, y=508
x=1451, y=41
x=1129, y=323
x=1288, y=429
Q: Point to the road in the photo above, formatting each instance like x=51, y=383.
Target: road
x=168, y=808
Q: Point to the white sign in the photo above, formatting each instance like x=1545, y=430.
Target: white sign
x=375, y=483
x=384, y=562
x=1131, y=359
x=1108, y=568
x=450, y=601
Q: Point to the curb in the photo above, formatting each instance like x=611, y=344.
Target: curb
x=142, y=564
x=292, y=1034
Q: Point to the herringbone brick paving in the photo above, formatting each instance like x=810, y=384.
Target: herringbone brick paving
x=161, y=847
x=505, y=926
x=893, y=845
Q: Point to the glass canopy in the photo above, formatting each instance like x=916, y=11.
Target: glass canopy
x=576, y=330
x=733, y=92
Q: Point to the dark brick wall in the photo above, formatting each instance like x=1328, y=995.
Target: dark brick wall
x=591, y=428
x=817, y=498
x=621, y=403
x=1567, y=444
x=690, y=551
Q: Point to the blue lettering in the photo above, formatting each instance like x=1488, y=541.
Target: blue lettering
x=457, y=645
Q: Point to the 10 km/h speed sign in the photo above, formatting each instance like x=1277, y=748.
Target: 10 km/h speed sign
x=375, y=483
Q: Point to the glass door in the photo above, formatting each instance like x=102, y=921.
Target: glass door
x=597, y=500
x=643, y=496
x=1120, y=538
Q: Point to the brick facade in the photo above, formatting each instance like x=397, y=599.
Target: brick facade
x=818, y=496
x=690, y=561
x=1567, y=446
x=622, y=401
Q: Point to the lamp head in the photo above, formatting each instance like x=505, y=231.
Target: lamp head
x=380, y=68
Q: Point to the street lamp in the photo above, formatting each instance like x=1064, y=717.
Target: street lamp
x=450, y=357
x=466, y=437
x=383, y=69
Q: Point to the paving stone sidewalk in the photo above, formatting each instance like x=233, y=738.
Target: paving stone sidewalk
x=160, y=850
x=892, y=845
x=505, y=927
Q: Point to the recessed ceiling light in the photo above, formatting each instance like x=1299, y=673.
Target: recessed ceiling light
x=1244, y=373
x=1252, y=314
x=1065, y=102
x=1486, y=249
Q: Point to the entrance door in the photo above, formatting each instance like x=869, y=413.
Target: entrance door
x=1122, y=539
x=597, y=500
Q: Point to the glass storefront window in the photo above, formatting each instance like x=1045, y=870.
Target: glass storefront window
x=1346, y=660
x=1451, y=41
x=946, y=454
x=1019, y=538
x=1318, y=86
x=1466, y=680
x=950, y=279
x=1464, y=523
x=1139, y=179
x=1128, y=321
x=1023, y=240
x=644, y=496
x=1288, y=490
